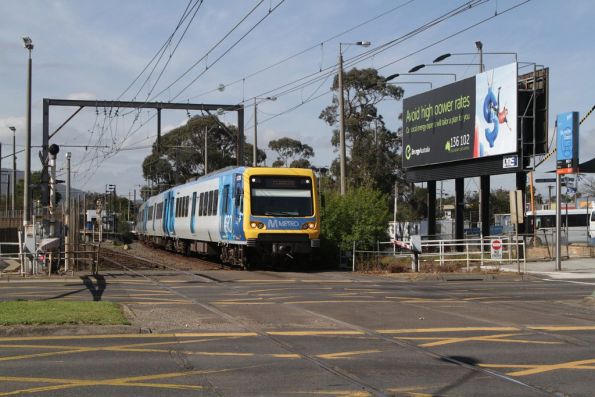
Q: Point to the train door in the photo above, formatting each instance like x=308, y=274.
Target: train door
x=225, y=213
x=153, y=212
x=164, y=215
x=193, y=213
x=238, y=208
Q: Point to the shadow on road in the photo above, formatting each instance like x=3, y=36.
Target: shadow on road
x=458, y=360
x=96, y=290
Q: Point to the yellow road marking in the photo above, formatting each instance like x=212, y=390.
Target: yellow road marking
x=483, y=338
x=314, y=333
x=131, y=336
x=158, y=303
x=563, y=328
x=337, y=301
x=241, y=303
x=335, y=356
x=444, y=329
x=541, y=368
x=336, y=393
x=133, y=381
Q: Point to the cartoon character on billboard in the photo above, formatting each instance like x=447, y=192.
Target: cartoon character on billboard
x=494, y=113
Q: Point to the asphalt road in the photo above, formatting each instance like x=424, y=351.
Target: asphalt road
x=231, y=333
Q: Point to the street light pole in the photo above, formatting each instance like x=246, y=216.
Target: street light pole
x=342, y=151
x=14, y=169
x=26, y=201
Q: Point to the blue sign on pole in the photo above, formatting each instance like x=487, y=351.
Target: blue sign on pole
x=567, y=142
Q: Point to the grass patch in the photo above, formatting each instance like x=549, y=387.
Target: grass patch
x=60, y=312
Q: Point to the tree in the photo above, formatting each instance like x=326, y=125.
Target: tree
x=360, y=216
x=291, y=152
x=182, y=152
x=374, y=156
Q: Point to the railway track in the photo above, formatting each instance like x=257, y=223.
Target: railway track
x=113, y=259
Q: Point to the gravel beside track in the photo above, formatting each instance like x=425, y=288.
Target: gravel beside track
x=142, y=256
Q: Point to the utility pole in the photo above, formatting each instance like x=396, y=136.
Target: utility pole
x=27, y=180
x=67, y=215
x=342, y=152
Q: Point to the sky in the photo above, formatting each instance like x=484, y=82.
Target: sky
x=95, y=50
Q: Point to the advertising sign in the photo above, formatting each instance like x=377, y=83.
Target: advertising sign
x=567, y=142
x=472, y=118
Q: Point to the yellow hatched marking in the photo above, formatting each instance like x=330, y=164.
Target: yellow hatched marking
x=502, y=338
x=542, y=368
x=340, y=355
x=135, y=381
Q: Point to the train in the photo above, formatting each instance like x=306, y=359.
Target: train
x=245, y=216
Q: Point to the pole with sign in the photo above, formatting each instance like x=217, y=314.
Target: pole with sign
x=566, y=163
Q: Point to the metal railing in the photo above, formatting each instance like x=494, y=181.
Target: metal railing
x=466, y=252
x=474, y=251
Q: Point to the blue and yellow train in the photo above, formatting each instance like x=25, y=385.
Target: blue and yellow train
x=244, y=215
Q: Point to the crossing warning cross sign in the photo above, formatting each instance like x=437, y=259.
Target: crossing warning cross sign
x=496, y=249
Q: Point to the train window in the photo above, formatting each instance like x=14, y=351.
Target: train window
x=193, y=211
x=289, y=196
x=210, y=209
x=177, y=207
x=159, y=214
x=225, y=199
x=202, y=204
x=205, y=210
x=186, y=206
x=216, y=199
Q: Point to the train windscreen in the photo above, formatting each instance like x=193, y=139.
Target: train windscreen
x=289, y=196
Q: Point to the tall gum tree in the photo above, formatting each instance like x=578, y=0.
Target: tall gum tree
x=373, y=150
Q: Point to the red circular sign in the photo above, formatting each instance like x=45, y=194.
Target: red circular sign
x=497, y=244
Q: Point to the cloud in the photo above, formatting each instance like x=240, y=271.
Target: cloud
x=84, y=96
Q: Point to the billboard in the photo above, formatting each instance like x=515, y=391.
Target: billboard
x=469, y=119
x=567, y=142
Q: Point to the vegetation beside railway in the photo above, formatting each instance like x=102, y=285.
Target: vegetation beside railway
x=61, y=312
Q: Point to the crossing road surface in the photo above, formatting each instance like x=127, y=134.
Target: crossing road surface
x=227, y=333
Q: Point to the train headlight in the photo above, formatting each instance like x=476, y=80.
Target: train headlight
x=256, y=225
x=308, y=225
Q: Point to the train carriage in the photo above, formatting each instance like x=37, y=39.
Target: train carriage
x=244, y=215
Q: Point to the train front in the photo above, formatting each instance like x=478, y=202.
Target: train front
x=281, y=214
